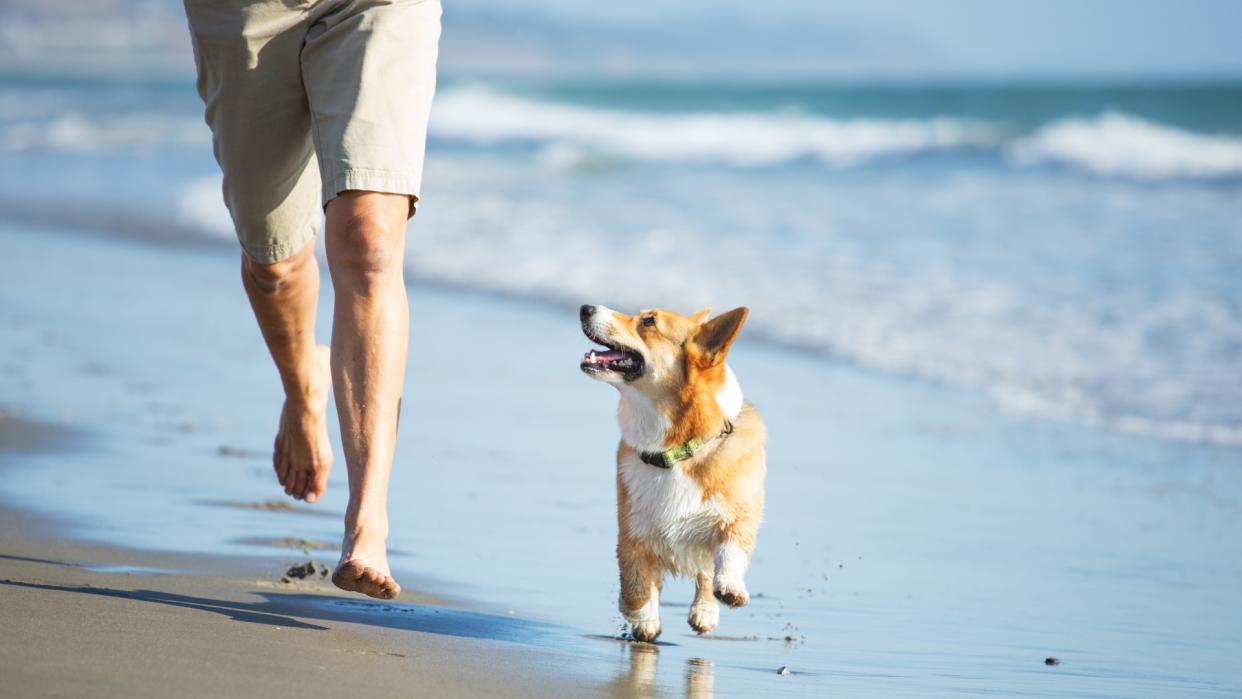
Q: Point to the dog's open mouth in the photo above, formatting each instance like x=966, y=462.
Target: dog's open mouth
x=614, y=358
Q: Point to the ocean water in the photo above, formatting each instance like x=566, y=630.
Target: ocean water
x=996, y=334
x=1071, y=252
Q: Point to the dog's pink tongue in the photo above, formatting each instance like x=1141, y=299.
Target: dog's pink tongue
x=605, y=356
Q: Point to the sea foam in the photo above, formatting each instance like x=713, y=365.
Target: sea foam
x=73, y=132
x=1109, y=144
x=486, y=117
x=1120, y=144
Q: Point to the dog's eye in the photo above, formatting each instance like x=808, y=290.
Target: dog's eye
x=649, y=321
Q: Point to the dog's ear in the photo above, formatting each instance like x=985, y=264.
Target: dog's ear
x=713, y=338
x=700, y=315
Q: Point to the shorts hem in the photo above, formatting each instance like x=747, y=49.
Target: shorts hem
x=283, y=250
x=384, y=181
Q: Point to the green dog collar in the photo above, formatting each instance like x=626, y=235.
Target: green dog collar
x=686, y=450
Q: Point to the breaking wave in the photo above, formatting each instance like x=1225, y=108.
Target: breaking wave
x=485, y=117
x=1110, y=144
x=74, y=132
x=1123, y=145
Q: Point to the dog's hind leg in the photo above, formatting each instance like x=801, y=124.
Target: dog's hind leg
x=704, y=612
x=640, y=592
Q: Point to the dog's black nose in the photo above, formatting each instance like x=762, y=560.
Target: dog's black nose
x=586, y=312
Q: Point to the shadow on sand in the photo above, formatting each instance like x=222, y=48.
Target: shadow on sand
x=301, y=611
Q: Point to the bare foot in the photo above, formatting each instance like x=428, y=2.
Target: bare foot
x=302, y=455
x=364, y=567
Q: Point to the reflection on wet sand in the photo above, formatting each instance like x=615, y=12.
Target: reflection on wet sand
x=638, y=678
x=699, y=678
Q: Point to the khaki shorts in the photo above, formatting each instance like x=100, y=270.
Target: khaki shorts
x=307, y=99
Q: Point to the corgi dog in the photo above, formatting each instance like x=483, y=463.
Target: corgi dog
x=691, y=462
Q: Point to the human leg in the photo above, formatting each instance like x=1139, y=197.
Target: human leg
x=283, y=297
x=365, y=241
x=249, y=76
x=369, y=71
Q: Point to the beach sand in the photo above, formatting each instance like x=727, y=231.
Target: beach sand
x=916, y=543
x=89, y=619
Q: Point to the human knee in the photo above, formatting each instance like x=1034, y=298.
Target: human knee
x=367, y=247
x=270, y=278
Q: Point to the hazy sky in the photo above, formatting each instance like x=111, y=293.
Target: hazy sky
x=912, y=37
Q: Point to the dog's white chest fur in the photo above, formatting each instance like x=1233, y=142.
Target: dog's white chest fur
x=666, y=507
x=667, y=512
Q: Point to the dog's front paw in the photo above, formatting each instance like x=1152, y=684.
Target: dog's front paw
x=645, y=630
x=732, y=594
x=644, y=620
x=704, y=617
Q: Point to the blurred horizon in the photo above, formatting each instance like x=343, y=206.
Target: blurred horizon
x=962, y=41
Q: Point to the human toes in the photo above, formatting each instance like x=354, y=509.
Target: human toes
x=316, y=485
x=354, y=576
x=379, y=585
x=386, y=588
x=281, y=465
x=298, y=485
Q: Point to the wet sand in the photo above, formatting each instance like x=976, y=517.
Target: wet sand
x=78, y=622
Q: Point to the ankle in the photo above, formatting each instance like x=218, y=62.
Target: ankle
x=366, y=529
x=305, y=400
x=308, y=396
